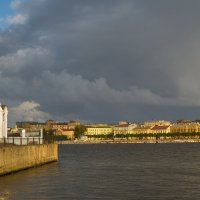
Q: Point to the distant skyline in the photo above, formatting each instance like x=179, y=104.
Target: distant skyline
x=100, y=61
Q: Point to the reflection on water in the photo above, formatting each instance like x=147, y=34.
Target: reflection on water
x=111, y=171
x=26, y=182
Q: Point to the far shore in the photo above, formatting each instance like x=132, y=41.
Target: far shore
x=124, y=141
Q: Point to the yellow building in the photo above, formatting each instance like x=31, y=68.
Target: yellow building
x=13, y=130
x=47, y=126
x=121, y=129
x=160, y=129
x=67, y=132
x=61, y=125
x=123, y=122
x=191, y=127
x=124, y=128
x=141, y=129
x=99, y=130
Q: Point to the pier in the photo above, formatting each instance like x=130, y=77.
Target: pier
x=15, y=158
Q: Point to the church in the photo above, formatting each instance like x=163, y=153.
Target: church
x=3, y=121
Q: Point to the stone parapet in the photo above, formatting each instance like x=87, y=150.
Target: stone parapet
x=16, y=158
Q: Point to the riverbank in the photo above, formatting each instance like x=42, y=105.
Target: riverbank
x=128, y=141
x=15, y=158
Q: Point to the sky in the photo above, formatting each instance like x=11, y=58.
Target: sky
x=5, y=11
x=100, y=61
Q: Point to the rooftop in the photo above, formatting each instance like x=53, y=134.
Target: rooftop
x=160, y=127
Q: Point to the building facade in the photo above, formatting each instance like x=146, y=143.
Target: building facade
x=67, y=132
x=158, y=123
x=49, y=125
x=124, y=129
x=160, y=129
x=99, y=130
x=189, y=127
x=141, y=129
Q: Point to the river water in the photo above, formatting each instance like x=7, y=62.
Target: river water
x=111, y=171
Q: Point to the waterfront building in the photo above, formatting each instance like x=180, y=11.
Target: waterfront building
x=183, y=121
x=101, y=130
x=60, y=125
x=31, y=126
x=49, y=125
x=160, y=129
x=121, y=129
x=141, y=129
x=13, y=130
x=67, y=132
x=3, y=121
x=185, y=127
x=123, y=122
x=124, y=128
x=158, y=122
x=131, y=127
x=66, y=125
x=99, y=125
x=73, y=123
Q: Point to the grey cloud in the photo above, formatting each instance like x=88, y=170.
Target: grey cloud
x=98, y=60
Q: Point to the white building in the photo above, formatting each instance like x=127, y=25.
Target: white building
x=3, y=121
x=124, y=128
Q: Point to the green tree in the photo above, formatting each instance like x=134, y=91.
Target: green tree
x=60, y=137
x=79, y=131
x=50, y=136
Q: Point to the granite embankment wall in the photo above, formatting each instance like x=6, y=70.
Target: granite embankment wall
x=16, y=158
x=129, y=141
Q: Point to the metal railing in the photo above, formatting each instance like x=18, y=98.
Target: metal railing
x=22, y=141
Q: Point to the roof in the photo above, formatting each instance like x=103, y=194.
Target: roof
x=99, y=127
x=67, y=129
x=60, y=123
x=142, y=127
x=183, y=121
x=185, y=124
x=63, y=129
x=122, y=125
x=160, y=127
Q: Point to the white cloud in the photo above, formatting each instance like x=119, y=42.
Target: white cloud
x=17, y=19
x=27, y=111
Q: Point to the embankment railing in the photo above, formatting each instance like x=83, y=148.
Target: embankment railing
x=23, y=141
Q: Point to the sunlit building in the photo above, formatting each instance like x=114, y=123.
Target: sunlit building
x=101, y=130
x=160, y=129
x=141, y=129
x=158, y=123
x=47, y=126
x=66, y=132
x=124, y=128
x=190, y=127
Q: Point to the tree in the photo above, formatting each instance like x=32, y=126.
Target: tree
x=60, y=137
x=79, y=131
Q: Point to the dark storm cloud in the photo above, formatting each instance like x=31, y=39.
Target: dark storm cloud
x=102, y=60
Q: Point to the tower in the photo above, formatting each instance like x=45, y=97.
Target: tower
x=3, y=121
